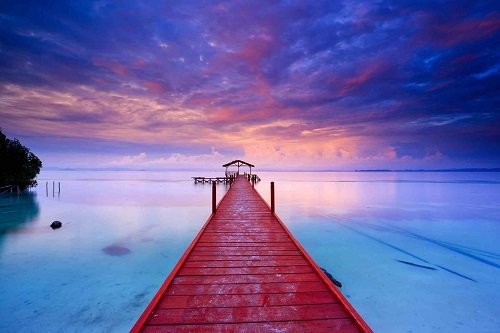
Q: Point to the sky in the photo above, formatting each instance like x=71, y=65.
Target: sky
x=285, y=85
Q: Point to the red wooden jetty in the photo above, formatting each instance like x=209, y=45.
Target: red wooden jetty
x=245, y=272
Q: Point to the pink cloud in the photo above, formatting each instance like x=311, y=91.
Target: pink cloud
x=465, y=59
x=371, y=71
x=440, y=85
x=390, y=153
x=99, y=80
x=202, y=101
x=155, y=86
x=140, y=62
x=459, y=30
x=223, y=115
x=112, y=65
x=437, y=155
x=251, y=53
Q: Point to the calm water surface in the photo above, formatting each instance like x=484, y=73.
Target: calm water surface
x=416, y=252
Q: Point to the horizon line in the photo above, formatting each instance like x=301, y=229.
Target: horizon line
x=274, y=170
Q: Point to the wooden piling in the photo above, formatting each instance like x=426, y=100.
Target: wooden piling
x=272, y=198
x=214, y=199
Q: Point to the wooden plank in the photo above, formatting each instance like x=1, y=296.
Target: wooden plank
x=218, y=229
x=248, y=246
x=247, y=239
x=246, y=288
x=257, y=238
x=247, y=263
x=240, y=233
x=224, y=257
x=245, y=300
x=260, y=278
x=244, y=232
x=317, y=326
x=246, y=252
x=246, y=249
x=246, y=314
x=209, y=271
x=240, y=217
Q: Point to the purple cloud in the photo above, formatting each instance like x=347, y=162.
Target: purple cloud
x=412, y=79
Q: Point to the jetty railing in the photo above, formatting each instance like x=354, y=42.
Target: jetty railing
x=10, y=188
x=203, y=180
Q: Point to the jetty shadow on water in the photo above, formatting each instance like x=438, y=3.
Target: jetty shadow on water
x=403, y=232
x=16, y=210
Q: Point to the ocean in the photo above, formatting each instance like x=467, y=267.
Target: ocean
x=415, y=251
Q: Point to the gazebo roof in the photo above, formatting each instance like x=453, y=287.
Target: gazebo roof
x=238, y=163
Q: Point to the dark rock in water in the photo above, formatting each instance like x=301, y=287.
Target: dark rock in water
x=116, y=250
x=335, y=282
x=56, y=224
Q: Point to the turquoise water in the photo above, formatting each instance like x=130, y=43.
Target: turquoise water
x=416, y=252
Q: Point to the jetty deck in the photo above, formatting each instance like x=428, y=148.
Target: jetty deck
x=245, y=272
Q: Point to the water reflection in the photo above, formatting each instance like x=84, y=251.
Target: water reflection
x=16, y=210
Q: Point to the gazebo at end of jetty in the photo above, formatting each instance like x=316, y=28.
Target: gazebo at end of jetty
x=237, y=163
x=229, y=175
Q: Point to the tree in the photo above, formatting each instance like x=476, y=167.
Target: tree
x=18, y=166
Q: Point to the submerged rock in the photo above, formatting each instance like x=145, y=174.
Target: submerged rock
x=116, y=250
x=330, y=276
x=56, y=224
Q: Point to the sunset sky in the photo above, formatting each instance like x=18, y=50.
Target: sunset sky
x=321, y=85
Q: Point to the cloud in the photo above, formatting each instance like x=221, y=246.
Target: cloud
x=455, y=30
x=129, y=160
x=172, y=160
x=340, y=83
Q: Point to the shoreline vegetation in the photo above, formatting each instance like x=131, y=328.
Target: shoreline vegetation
x=19, y=166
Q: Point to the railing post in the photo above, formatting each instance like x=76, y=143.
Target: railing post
x=272, y=197
x=214, y=192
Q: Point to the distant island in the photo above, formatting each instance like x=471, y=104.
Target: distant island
x=435, y=170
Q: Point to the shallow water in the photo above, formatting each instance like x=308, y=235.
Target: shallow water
x=415, y=251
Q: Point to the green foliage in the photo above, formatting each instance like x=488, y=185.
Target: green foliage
x=18, y=166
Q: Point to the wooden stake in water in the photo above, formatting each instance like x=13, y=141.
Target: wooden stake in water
x=272, y=197
x=214, y=207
